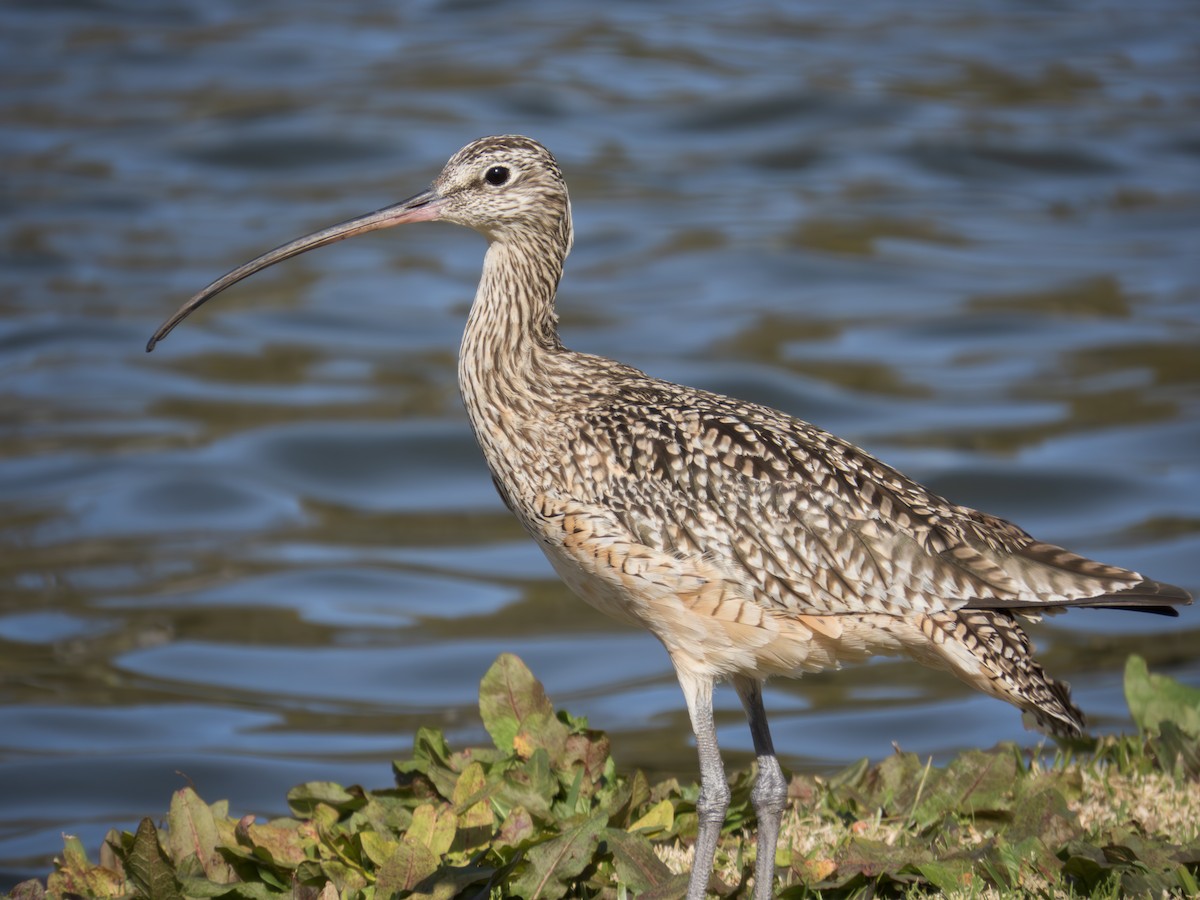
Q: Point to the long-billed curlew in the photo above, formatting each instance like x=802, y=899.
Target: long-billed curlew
x=748, y=542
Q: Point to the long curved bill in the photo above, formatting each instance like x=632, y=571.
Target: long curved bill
x=424, y=207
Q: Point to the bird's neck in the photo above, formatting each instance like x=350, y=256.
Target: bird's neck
x=513, y=310
x=511, y=336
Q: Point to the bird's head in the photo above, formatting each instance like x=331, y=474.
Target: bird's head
x=507, y=187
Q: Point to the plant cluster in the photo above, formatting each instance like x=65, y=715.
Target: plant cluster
x=544, y=814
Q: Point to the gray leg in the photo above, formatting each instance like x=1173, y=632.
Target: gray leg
x=714, y=789
x=770, y=789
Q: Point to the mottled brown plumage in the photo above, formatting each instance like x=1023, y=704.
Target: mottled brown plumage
x=750, y=543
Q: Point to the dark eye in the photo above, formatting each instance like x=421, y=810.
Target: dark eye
x=496, y=175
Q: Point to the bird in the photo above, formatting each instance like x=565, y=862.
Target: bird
x=749, y=542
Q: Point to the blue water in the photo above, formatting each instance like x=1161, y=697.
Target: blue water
x=964, y=237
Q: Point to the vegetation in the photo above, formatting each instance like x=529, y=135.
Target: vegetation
x=545, y=814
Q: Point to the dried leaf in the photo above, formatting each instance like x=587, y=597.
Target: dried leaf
x=592, y=749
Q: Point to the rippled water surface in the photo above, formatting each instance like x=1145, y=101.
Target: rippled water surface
x=965, y=237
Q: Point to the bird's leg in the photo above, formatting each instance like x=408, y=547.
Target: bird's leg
x=714, y=789
x=770, y=788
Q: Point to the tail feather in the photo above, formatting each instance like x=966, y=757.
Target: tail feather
x=1146, y=596
x=988, y=650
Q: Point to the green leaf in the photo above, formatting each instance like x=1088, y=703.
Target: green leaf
x=660, y=817
x=271, y=879
x=201, y=888
x=376, y=847
x=282, y=842
x=304, y=798
x=896, y=783
x=948, y=876
x=192, y=831
x=573, y=803
x=531, y=785
x=387, y=812
x=1087, y=866
x=344, y=876
x=631, y=798
x=434, y=826
x=637, y=865
x=674, y=888
x=868, y=859
x=76, y=876
x=148, y=868
x=976, y=782
x=1154, y=699
x=432, y=759
x=473, y=806
x=409, y=865
x=449, y=883
x=516, y=829
x=1178, y=752
x=1044, y=815
x=74, y=856
x=429, y=748
x=1188, y=882
x=508, y=695
x=28, y=890
x=855, y=773
x=555, y=864
x=471, y=798
x=248, y=891
x=516, y=711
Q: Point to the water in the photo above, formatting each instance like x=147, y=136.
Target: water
x=965, y=238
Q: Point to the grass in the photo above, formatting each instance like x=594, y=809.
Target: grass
x=544, y=813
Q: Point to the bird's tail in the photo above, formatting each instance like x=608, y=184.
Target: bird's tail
x=989, y=651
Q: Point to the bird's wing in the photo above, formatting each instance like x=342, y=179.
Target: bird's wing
x=812, y=524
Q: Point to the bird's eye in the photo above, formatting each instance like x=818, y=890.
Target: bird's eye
x=496, y=175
